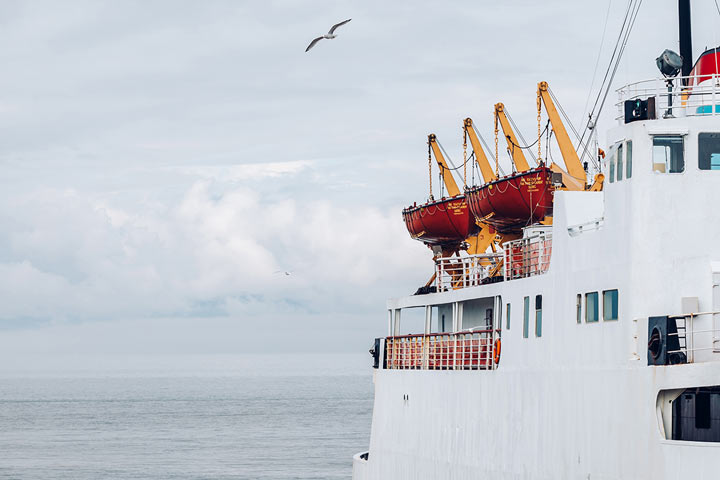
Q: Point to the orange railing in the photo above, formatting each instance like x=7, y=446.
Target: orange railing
x=468, y=350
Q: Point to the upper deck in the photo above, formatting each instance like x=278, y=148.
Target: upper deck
x=644, y=247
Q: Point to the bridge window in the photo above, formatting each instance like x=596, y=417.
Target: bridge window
x=610, y=305
x=668, y=154
x=709, y=151
x=507, y=316
x=620, y=163
x=526, y=317
x=628, y=159
x=611, y=169
x=538, y=315
x=591, y=307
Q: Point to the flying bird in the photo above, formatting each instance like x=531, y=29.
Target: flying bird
x=330, y=35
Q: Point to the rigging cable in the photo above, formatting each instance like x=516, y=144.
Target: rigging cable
x=597, y=63
x=487, y=149
x=572, y=127
x=527, y=147
x=519, y=134
x=628, y=22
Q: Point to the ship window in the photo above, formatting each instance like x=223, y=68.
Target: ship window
x=702, y=410
x=611, y=169
x=620, y=163
x=498, y=325
x=578, y=308
x=507, y=316
x=709, y=151
x=591, y=307
x=668, y=154
x=628, y=159
x=526, y=316
x=610, y=305
x=538, y=315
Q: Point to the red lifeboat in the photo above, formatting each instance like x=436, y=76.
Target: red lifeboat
x=442, y=222
x=514, y=201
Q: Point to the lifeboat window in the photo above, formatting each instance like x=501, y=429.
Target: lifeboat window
x=507, y=316
x=578, y=308
x=668, y=154
x=628, y=159
x=591, y=307
x=526, y=316
x=709, y=151
x=538, y=315
x=610, y=305
x=620, y=163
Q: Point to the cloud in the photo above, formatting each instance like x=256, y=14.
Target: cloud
x=215, y=251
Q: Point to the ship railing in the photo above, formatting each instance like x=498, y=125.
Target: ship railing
x=698, y=336
x=527, y=257
x=452, y=273
x=465, y=350
x=682, y=97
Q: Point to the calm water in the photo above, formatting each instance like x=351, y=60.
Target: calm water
x=303, y=419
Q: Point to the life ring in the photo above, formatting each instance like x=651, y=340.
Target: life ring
x=496, y=351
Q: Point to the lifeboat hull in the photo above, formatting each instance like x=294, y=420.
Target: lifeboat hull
x=444, y=222
x=515, y=201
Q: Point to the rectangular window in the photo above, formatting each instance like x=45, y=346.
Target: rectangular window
x=620, y=163
x=499, y=322
x=668, y=154
x=611, y=168
x=628, y=159
x=591, y=307
x=610, y=305
x=507, y=316
x=578, y=308
x=709, y=151
x=526, y=316
x=538, y=315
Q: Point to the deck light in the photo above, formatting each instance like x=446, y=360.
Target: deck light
x=669, y=63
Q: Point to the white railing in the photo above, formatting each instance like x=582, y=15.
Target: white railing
x=527, y=257
x=698, y=336
x=675, y=99
x=452, y=273
x=467, y=350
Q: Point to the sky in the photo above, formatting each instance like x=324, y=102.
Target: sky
x=164, y=163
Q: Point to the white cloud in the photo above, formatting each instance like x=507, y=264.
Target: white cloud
x=217, y=250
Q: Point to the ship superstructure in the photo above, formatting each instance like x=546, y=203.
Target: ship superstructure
x=571, y=327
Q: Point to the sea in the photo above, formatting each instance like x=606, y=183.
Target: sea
x=203, y=417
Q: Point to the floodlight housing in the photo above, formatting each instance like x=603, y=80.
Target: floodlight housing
x=669, y=63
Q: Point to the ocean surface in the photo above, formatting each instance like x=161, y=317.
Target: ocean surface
x=234, y=417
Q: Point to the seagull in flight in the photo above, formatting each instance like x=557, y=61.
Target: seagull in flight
x=330, y=35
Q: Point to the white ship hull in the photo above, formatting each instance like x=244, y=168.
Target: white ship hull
x=578, y=401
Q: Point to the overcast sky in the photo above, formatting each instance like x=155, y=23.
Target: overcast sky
x=161, y=160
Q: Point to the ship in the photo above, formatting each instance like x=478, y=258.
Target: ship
x=570, y=327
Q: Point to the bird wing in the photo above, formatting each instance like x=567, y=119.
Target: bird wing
x=332, y=30
x=312, y=44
